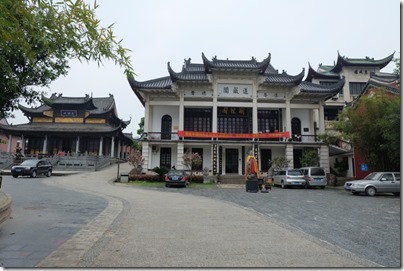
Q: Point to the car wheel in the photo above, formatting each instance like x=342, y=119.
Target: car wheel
x=370, y=191
x=355, y=193
x=396, y=193
x=166, y=184
x=33, y=174
x=282, y=185
x=49, y=173
x=15, y=176
x=322, y=187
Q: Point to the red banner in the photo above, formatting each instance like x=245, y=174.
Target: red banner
x=232, y=135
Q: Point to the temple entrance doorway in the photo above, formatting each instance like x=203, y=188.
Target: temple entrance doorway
x=231, y=161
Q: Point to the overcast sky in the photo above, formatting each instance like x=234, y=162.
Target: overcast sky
x=295, y=32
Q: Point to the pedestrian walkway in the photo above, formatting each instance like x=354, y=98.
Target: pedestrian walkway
x=150, y=228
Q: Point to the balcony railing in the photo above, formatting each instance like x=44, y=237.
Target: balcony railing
x=208, y=136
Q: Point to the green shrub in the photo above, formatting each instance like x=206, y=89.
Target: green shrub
x=161, y=171
x=145, y=177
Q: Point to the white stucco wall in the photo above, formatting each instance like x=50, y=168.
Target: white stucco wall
x=158, y=112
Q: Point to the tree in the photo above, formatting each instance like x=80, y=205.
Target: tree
x=280, y=162
x=373, y=125
x=397, y=69
x=136, y=160
x=310, y=158
x=38, y=37
x=193, y=161
x=137, y=145
x=141, y=127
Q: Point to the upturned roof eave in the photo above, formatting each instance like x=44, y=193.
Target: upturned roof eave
x=318, y=75
x=345, y=61
x=213, y=66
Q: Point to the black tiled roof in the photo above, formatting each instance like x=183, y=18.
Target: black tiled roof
x=190, y=74
x=220, y=64
x=332, y=71
x=367, y=61
x=320, y=75
x=159, y=83
x=310, y=90
x=283, y=78
x=78, y=128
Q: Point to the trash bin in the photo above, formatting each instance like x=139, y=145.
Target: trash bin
x=252, y=185
x=124, y=178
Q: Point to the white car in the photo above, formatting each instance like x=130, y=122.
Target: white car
x=289, y=177
x=376, y=182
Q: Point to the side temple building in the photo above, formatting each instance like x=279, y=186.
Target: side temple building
x=72, y=125
x=222, y=109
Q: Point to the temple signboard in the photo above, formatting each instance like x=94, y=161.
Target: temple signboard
x=234, y=90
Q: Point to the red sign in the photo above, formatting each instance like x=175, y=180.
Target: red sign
x=232, y=135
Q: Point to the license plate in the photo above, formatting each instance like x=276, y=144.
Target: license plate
x=18, y=170
x=174, y=178
x=296, y=183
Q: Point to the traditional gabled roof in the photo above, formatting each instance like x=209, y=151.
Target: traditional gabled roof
x=235, y=65
x=158, y=83
x=95, y=106
x=49, y=128
x=330, y=72
x=367, y=61
x=322, y=73
x=310, y=91
x=194, y=73
x=58, y=100
x=283, y=78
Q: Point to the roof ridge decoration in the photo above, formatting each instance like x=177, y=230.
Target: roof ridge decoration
x=246, y=65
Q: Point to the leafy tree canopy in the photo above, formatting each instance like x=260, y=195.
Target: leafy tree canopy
x=373, y=124
x=38, y=37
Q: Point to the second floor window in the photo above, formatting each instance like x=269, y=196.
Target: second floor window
x=198, y=119
x=356, y=88
x=166, y=123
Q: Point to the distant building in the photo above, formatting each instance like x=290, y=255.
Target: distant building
x=222, y=109
x=390, y=84
x=359, y=74
x=72, y=125
x=8, y=143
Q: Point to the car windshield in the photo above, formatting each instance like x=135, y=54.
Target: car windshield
x=317, y=172
x=29, y=163
x=175, y=172
x=372, y=176
x=296, y=172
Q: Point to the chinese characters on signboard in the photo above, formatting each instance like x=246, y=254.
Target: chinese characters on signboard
x=199, y=93
x=68, y=113
x=234, y=90
x=234, y=111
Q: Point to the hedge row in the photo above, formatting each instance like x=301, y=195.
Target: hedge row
x=156, y=178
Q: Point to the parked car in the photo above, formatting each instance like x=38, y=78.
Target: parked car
x=315, y=177
x=289, y=177
x=176, y=177
x=32, y=167
x=376, y=182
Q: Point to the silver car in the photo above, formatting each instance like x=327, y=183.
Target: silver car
x=289, y=177
x=376, y=182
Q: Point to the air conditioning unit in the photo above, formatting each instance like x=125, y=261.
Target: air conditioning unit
x=155, y=148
